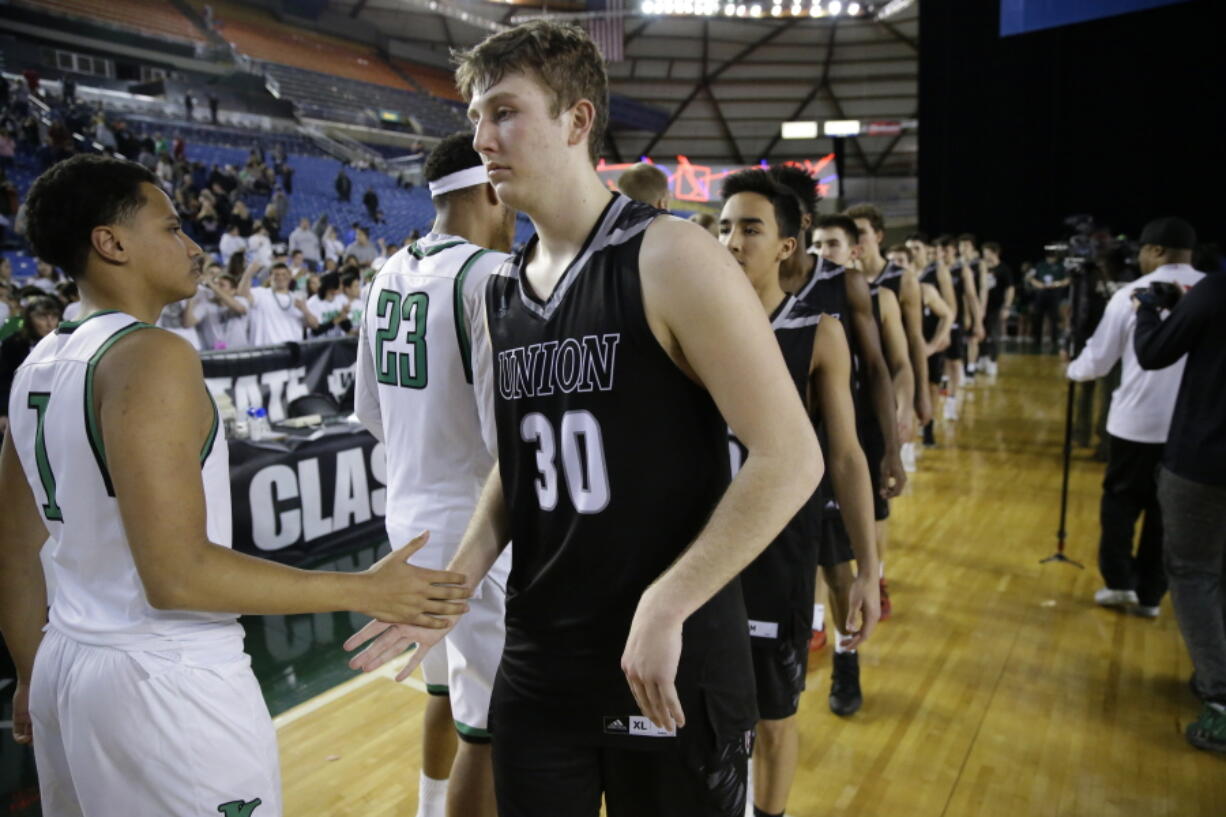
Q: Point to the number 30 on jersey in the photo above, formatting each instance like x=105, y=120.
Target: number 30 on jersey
x=583, y=460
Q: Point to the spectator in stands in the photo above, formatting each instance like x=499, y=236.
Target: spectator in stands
x=298, y=267
x=259, y=245
x=103, y=135
x=178, y=148
x=68, y=89
x=370, y=200
x=213, y=102
x=8, y=304
x=182, y=317
x=344, y=187
x=304, y=240
x=165, y=171
x=188, y=104
x=70, y=299
x=361, y=248
x=224, y=320
x=39, y=318
x=46, y=277
x=207, y=226
x=271, y=222
x=646, y=183
x=277, y=314
x=351, y=288
x=232, y=242
x=280, y=206
x=287, y=178
x=241, y=216
x=330, y=308
x=332, y=246
x=6, y=271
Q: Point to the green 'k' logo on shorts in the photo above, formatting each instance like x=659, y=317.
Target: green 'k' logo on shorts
x=239, y=808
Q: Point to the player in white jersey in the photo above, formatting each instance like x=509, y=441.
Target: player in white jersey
x=424, y=387
x=118, y=587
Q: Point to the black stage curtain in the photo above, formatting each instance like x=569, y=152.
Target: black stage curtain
x=1119, y=118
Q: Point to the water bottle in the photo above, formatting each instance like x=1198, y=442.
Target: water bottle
x=257, y=423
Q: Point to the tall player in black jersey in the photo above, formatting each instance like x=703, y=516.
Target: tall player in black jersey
x=966, y=323
x=904, y=283
x=969, y=258
x=622, y=339
x=758, y=225
x=933, y=272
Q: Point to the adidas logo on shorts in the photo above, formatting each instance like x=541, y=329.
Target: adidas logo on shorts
x=615, y=726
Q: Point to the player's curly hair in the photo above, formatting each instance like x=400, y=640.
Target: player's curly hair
x=802, y=185
x=68, y=201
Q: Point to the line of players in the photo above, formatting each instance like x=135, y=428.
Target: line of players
x=621, y=364
x=846, y=297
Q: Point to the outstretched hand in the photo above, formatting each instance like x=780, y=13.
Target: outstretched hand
x=390, y=640
x=401, y=593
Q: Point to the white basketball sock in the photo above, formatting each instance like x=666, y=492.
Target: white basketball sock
x=838, y=642
x=431, y=797
x=819, y=616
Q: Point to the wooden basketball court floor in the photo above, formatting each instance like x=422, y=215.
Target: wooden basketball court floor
x=997, y=688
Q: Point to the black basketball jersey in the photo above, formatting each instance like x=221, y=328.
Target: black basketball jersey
x=890, y=278
x=611, y=461
x=931, y=321
x=778, y=585
x=955, y=276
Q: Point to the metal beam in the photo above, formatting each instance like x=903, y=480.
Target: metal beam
x=634, y=35
x=898, y=35
x=723, y=125
x=357, y=9
x=822, y=82
x=709, y=78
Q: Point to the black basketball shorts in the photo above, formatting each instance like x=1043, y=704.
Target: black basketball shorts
x=538, y=775
x=779, y=667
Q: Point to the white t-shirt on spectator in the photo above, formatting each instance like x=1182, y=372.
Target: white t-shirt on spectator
x=274, y=318
x=260, y=248
x=325, y=311
x=231, y=244
x=172, y=320
x=223, y=328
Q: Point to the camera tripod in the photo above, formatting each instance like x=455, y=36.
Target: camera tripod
x=1077, y=296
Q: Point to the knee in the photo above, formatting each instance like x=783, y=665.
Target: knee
x=773, y=732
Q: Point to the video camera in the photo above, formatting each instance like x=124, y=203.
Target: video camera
x=1159, y=294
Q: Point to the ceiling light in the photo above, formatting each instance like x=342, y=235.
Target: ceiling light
x=741, y=11
x=648, y=7
x=755, y=10
x=853, y=9
x=835, y=7
x=730, y=9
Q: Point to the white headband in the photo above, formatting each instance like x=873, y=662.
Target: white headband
x=468, y=177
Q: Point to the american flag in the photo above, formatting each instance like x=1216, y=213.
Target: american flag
x=609, y=33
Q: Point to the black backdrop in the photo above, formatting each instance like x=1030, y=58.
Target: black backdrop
x=1120, y=118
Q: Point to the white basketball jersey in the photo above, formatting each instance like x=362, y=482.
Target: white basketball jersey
x=425, y=387
x=94, y=590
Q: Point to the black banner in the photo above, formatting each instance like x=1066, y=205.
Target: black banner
x=304, y=500
x=272, y=377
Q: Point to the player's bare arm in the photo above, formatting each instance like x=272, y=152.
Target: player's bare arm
x=23, y=592
x=945, y=284
x=693, y=295
x=830, y=379
x=945, y=317
x=877, y=375
x=897, y=357
x=911, y=301
x=970, y=292
x=156, y=417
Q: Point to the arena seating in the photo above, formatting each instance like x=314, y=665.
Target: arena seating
x=435, y=81
x=158, y=19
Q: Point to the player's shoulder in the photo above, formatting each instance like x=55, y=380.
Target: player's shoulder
x=672, y=244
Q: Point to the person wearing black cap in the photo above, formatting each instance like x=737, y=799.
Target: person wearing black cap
x=1192, y=485
x=1137, y=426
